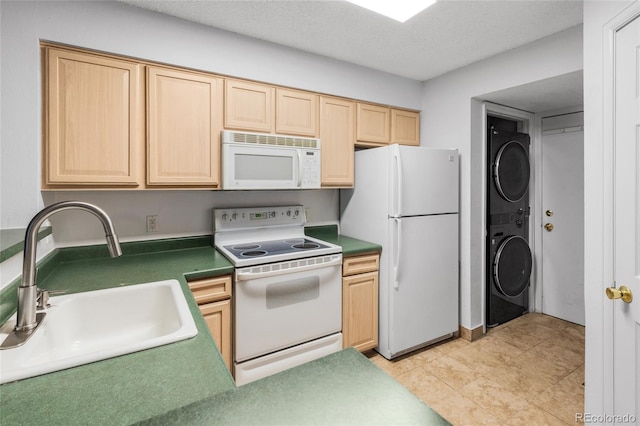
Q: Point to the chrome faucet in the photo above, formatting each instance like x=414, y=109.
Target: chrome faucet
x=28, y=293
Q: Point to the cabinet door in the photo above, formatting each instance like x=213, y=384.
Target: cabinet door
x=373, y=123
x=360, y=311
x=217, y=315
x=249, y=106
x=184, y=122
x=93, y=125
x=405, y=127
x=296, y=113
x=337, y=136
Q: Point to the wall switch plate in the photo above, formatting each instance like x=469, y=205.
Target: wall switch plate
x=152, y=223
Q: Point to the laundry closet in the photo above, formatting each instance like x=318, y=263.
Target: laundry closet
x=534, y=218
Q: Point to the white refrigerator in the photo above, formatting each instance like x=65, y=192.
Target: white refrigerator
x=406, y=199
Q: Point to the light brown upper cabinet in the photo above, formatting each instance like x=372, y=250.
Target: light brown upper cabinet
x=184, y=120
x=296, y=113
x=405, y=127
x=94, y=121
x=373, y=124
x=337, y=137
x=249, y=106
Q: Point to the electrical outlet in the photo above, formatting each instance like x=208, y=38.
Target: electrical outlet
x=152, y=223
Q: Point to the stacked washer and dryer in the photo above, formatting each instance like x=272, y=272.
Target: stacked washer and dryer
x=509, y=259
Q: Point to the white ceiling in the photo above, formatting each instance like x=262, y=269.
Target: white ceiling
x=446, y=36
x=544, y=95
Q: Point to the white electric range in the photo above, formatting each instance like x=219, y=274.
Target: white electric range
x=287, y=289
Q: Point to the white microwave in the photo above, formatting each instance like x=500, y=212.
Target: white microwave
x=266, y=161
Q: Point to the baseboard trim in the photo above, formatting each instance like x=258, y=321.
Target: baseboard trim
x=470, y=335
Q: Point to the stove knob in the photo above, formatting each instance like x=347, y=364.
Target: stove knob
x=289, y=213
x=234, y=216
x=224, y=217
x=273, y=214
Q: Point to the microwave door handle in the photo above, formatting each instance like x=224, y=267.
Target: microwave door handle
x=299, y=166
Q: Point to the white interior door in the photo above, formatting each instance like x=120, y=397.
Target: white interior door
x=626, y=222
x=563, y=218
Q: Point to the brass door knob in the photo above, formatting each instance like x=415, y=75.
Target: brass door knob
x=549, y=213
x=623, y=293
x=548, y=226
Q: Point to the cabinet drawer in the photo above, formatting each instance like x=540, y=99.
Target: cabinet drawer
x=360, y=264
x=211, y=289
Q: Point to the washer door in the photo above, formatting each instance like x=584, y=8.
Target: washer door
x=511, y=171
x=512, y=266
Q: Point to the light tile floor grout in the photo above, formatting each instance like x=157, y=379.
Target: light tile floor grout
x=527, y=371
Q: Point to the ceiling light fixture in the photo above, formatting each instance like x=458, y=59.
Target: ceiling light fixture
x=400, y=10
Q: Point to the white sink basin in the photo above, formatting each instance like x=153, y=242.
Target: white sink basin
x=86, y=327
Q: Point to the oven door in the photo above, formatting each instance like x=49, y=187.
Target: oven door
x=280, y=305
x=259, y=167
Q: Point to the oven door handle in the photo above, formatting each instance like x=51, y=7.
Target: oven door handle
x=264, y=271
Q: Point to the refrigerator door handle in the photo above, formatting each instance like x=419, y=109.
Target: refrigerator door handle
x=398, y=182
x=396, y=264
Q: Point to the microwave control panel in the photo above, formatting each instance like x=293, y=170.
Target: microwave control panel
x=310, y=168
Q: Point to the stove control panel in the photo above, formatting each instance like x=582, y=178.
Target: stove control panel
x=257, y=217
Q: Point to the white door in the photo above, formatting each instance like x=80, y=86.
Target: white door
x=563, y=219
x=626, y=222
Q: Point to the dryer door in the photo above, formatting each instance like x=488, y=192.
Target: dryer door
x=512, y=266
x=511, y=171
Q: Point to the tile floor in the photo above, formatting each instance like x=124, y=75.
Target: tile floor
x=527, y=371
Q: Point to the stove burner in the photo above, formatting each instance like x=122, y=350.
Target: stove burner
x=246, y=247
x=306, y=246
x=258, y=252
x=253, y=253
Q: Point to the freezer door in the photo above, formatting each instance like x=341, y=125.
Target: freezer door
x=423, y=280
x=424, y=180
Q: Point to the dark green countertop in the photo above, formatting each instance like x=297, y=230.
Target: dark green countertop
x=187, y=382
x=132, y=387
x=350, y=246
x=344, y=388
x=12, y=240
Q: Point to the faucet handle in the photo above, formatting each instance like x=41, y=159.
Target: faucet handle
x=43, y=297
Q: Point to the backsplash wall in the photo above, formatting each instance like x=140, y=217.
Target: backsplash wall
x=180, y=213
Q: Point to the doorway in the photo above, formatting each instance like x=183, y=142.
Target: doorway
x=564, y=121
x=562, y=213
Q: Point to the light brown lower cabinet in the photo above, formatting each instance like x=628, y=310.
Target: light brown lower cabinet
x=360, y=301
x=213, y=296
